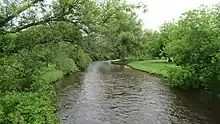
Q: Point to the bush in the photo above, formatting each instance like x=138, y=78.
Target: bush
x=12, y=74
x=44, y=77
x=67, y=65
x=81, y=58
x=27, y=107
x=1, y=114
x=178, y=77
x=30, y=74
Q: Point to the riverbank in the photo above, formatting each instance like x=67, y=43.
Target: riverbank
x=122, y=62
x=155, y=67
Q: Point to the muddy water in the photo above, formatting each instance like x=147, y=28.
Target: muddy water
x=112, y=94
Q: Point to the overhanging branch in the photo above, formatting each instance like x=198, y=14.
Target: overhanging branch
x=22, y=9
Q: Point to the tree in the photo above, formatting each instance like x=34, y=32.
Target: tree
x=195, y=46
x=121, y=31
x=153, y=43
x=39, y=47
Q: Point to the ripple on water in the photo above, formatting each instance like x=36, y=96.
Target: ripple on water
x=110, y=94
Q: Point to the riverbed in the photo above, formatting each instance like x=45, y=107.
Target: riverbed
x=115, y=94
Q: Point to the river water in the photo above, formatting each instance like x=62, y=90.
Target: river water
x=114, y=94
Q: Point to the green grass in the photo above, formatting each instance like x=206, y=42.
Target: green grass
x=158, y=67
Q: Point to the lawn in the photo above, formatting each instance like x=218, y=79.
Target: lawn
x=158, y=67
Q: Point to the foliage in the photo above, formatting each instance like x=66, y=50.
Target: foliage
x=34, y=70
x=26, y=107
x=121, y=33
x=81, y=58
x=46, y=75
x=178, y=77
x=152, y=43
x=40, y=42
x=193, y=43
x=198, y=46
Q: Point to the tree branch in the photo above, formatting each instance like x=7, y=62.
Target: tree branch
x=22, y=9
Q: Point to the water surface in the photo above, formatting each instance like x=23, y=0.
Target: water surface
x=111, y=94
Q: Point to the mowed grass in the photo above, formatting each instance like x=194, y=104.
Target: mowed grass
x=159, y=67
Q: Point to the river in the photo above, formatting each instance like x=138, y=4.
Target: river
x=115, y=94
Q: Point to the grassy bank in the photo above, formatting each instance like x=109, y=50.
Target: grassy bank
x=158, y=67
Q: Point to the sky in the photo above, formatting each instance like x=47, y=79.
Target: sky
x=160, y=11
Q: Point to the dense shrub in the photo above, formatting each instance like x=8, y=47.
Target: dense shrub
x=45, y=76
x=26, y=107
x=178, y=77
x=33, y=71
x=65, y=64
x=12, y=74
x=81, y=58
x=1, y=113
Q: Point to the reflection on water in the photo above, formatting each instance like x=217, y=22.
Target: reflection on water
x=113, y=94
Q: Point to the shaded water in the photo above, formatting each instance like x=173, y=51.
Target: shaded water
x=113, y=94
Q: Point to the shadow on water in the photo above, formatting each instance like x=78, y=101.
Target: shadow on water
x=115, y=94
